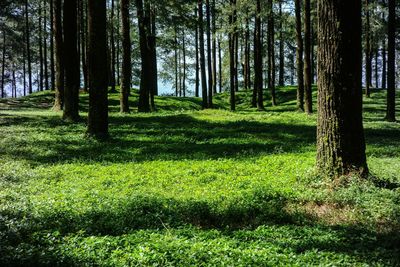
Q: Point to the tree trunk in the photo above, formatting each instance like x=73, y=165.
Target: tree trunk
x=98, y=95
x=197, y=78
x=299, y=57
x=145, y=54
x=126, y=57
x=46, y=69
x=59, y=58
x=232, y=58
x=177, y=84
x=209, y=55
x=220, y=65
x=184, y=62
x=84, y=46
x=112, y=46
x=28, y=47
x=384, y=64
x=258, y=61
x=214, y=48
x=3, y=64
x=281, y=49
x=271, y=52
x=307, y=57
x=391, y=80
x=118, y=81
x=71, y=61
x=376, y=68
x=368, y=58
x=41, y=68
x=52, y=67
x=202, y=56
x=340, y=135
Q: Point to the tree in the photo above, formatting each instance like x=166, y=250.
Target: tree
x=258, y=69
x=71, y=61
x=391, y=80
x=126, y=57
x=202, y=55
x=98, y=101
x=59, y=58
x=232, y=57
x=307, y=57
x=340, y=135
x=209, y=56
x=281, y=80
x=368, y=56
x=271, y=52
x=299, y=57
x=28, y=47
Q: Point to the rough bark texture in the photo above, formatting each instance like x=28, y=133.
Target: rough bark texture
x=98, y=95
x=307, y=57
x=391, y=80
x=126, y=57
x=340, y=135
x=202, y=55
x=71, y=61
x=299, y=57
x=59, y=59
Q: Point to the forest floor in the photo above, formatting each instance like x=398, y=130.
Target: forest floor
x=185, y=187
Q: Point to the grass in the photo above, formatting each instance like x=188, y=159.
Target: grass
x=186, y=187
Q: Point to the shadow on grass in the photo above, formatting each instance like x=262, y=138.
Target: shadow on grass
x=236, y=221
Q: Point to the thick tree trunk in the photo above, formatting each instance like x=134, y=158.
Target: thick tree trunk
x=145, y=52
x=307, y=57
x=299, y=57
x=258, y=61
x=71, y=61
x=391, y=80
x=98, y=95
x=28, y=47
x=202, y=56
x=368, y=58
x=59, y=58
x=340, y=135
x=126, y=57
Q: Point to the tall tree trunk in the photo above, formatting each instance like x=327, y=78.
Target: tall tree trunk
x=112, y=46
x=145, y=76
x=299, y=57
x=98, y=95
x=59, y=57
x=24, y=69
x=3, y=64
x=281, y=49
x=177, y=84
x=46, y=69
x=307, y=57
x=384, y=64
x=28, y=47
x=391, y=80
x=232, y=58
x=202, y=56
x=52, y=64
x=214, y=47
x=71, y=61
x=83, y=27
x=258, y=61
x=184, y=62
x=246, y=64
x=368, y=58
x=154, y=54
x=271, y=52
x=197, y=70
x=209, y=55
x=126, y=57
x=220, y=65
x=41, y=69
x=376, y=68
x=340, y=137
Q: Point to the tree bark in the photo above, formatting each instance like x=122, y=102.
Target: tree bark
x=391, y=80
x=3, y=64
x=209, y=56
x=299, y=57
x=197, y=70
x=340, y=135
x=258, y=69
x=71, y=61
x=368, y=58
x=52, y=64
x=214, y=48
x=307, y=57
x=112, y=46
x=281, y=81
x=28, y=47
x=40, y=40
x=271, y=52
x=232, y=57
x=83, y=28
x=59, y=58
x=126, y=57
x=202, y=56
x=46, y=69
x=98, y=95
x=384, y=64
